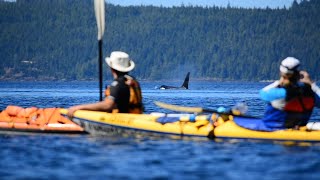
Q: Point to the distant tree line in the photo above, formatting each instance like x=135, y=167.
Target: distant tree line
x=57, y=40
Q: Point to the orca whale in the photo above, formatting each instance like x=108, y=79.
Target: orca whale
x=185, y=84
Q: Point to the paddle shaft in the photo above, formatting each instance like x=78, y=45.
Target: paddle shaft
x=99, y=8
x=100, y=69
x=197, y=110
x=228, y=113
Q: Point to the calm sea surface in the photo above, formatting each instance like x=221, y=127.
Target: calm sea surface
x=40, y=156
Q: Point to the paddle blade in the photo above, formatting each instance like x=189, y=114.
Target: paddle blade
x=179, y=108
x=99, y=9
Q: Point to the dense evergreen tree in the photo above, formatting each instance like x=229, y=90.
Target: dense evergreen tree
x=42, y=39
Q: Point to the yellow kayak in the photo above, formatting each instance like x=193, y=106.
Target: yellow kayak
x=182, y=125
x=96, y=122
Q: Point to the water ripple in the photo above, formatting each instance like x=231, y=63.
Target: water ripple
x=88, y=157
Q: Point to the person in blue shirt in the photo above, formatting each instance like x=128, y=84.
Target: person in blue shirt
x=290, y=99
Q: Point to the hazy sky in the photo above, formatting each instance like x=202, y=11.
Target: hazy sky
x=234, y=3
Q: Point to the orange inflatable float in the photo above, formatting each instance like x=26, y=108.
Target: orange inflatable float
x=15, y=118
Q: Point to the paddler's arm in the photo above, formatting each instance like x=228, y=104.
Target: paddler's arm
x=106, y=105
x=316, y=89
x=272, y=92
x=306, y=79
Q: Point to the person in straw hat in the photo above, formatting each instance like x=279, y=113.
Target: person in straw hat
x=123, y=95
x=291, y=99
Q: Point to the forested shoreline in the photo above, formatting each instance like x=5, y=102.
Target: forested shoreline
x=57, y=40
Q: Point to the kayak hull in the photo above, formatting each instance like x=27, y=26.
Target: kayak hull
x=230, y=130
x=136, y=124
x=103, y=129
x=100, y=123
x=49, y=128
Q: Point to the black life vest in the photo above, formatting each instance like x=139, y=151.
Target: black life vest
x=135, y=101
x=300, y=102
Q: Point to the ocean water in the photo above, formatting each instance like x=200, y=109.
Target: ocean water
x=52, y=156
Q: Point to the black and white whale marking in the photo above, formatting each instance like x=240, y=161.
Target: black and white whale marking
x=185, y=84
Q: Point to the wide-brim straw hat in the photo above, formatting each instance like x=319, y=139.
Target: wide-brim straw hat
x=120, y=61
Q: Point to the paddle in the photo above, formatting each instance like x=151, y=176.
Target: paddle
x=199, y=110
x=99, y=8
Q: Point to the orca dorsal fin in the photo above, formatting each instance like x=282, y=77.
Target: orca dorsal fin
x=186, y=82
